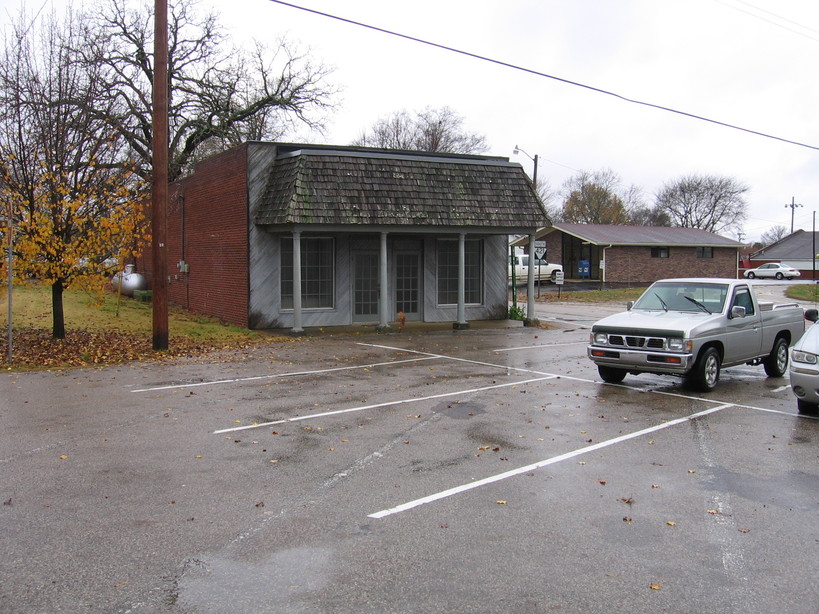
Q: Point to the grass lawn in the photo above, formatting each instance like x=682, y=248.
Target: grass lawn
x=803, y=292
x=118, y=330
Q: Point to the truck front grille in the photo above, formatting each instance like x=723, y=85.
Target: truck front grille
x=655, y=343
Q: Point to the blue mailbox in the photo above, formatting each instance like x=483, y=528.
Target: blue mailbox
x=583, y=269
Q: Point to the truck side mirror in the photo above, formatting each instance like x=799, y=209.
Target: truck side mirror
x=629, y=305
x=737, y=311
x=812, y=315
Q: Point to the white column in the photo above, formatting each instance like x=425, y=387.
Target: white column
x=383, y=286
x=461, y=322
x=297, y=328
x=530, y=285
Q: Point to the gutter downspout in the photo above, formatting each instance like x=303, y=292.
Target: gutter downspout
x=605, y=266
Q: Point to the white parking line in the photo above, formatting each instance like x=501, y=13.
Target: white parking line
x=385, y=404
x=549, y=461
x=542, y=345
x=277, y=375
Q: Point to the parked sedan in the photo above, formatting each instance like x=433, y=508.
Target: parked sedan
x=773, y=269
x=804, y=368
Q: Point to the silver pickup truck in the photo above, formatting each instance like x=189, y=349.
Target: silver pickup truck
x=693, y=328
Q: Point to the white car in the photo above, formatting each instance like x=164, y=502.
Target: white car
x=773, y=269
x=804, y=368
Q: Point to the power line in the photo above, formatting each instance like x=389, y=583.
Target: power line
x=547, y=76
x=773, y=23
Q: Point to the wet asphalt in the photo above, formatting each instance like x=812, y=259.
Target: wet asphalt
x=424, y=470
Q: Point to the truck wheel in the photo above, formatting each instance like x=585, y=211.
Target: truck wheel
x=807, y=409
x=611, y=375
x=776, y=364
x=705, y=374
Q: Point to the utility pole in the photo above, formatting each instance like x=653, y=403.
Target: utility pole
x=793, y=206
x=159, y=187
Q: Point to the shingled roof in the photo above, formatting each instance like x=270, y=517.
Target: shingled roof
x=337, y=186
x=610, y=234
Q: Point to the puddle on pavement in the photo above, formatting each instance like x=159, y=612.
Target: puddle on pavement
x=216, y=584
x=459, y=411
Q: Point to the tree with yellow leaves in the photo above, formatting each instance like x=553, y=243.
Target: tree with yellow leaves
x=74, y=201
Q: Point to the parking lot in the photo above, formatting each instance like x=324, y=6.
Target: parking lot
x=487, y=470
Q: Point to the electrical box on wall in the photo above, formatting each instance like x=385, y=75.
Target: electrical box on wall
x=183, y=267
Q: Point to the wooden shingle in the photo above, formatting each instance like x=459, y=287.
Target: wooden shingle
x=362, y=187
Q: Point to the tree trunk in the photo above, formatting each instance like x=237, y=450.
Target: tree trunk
x=58, y=316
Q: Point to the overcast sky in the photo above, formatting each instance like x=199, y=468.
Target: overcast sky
x=748, y=63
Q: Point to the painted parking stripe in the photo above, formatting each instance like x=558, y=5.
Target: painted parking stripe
x=278, y=375
x=542, y=345
x=549, y=461
x=385, y=404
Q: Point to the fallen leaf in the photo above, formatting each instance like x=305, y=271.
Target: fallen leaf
x=63, y=457
x=602, y=482
x=501, y=502
x=713, y=511
x=671, y=523
x=655, y=587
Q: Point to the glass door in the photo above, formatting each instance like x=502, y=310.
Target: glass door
x=365, y=287
x=408, y=284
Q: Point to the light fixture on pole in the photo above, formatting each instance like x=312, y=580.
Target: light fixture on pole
x=518, y=150
x=793, y=206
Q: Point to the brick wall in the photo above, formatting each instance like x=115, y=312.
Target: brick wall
x=208, y=229
x=634, y=264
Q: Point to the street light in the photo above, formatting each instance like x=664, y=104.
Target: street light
x=518, y=150
x=793, y=206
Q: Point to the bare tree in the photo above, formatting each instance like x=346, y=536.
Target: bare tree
x=219, y=95
x=437, y=130
x=594, y=198
x=773, y=234
x=709, y=202
x=65, y=174
x=648, y=216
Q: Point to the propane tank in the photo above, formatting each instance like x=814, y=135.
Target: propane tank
x=130, y=281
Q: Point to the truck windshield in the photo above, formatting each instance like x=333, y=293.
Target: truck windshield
x=682, y=296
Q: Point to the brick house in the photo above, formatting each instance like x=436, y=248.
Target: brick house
x=253, y=224
x=622, y=255
x=797, y=249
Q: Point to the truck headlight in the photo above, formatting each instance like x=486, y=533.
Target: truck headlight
x=600, y=338
x=806, y=357
x=675, y=343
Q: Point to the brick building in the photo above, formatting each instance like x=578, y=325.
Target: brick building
x=798, y=250
x=622, y=255
x=272, y=235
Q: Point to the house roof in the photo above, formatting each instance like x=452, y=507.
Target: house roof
x=798, y=245
x=611, y=234
x=329, y=185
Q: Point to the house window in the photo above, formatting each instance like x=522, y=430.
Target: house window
x=659, y=252
x=317, y=272
x=448, y=271
x=705, y=252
